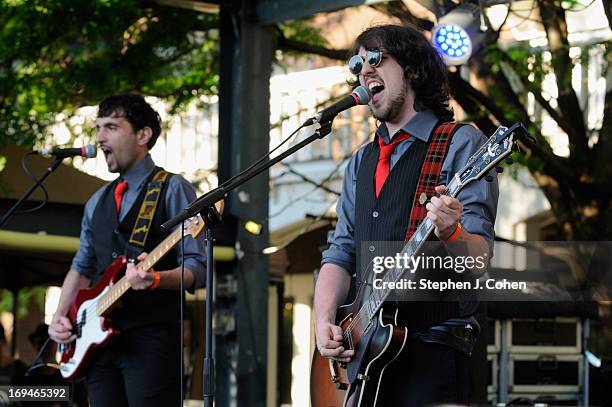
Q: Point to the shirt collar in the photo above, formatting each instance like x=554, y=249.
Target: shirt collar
x=419, y=126
x=139, y=172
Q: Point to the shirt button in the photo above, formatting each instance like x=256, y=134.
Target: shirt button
x=375, y=214
x=114, y=255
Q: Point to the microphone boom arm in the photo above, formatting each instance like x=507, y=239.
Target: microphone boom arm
x=214, y=195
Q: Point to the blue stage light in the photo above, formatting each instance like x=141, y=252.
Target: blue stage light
x=454, y=44
x=456, y=34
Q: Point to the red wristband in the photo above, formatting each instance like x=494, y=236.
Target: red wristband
x=155, y=281
x=455, y=234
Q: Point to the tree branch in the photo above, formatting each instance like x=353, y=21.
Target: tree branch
x=554, y=168
x=293, y=45
x=553, y=19
x=565, y=125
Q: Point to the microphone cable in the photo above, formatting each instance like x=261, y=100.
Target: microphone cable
x=24, y=165
x=182, y=314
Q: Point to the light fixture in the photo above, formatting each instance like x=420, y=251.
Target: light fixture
x=270, y=250
x=458, y=33
x=253, y=227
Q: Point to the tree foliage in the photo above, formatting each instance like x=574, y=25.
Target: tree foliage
x=577, y=186
x=56, y=56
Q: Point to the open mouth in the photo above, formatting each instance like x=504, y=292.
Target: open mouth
x=107, y=151
x=375, y=87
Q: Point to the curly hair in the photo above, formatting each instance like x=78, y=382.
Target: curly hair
x=135, y=110
x=423, y=66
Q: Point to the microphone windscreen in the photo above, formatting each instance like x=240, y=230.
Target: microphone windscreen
x=363, y=94
x=90, y=151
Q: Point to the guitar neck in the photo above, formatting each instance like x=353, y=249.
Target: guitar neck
x=122, y=286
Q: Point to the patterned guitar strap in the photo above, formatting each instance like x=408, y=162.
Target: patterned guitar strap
x=430, y=173
x=138, y=238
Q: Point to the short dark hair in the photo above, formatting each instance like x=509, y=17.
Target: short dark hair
x=423, y=66
x=135, y=110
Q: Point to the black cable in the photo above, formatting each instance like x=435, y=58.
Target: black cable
x=181, y=312
x=37, y=358
x=36, y=180
x=310, y=181
x=322, y=183
x=524, y=18
x=264, y=157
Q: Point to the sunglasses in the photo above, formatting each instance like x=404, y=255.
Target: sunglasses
x=374, y=57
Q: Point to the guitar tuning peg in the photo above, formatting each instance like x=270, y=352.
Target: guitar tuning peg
x=488, y=178
x=509, y=160
x=499, y=169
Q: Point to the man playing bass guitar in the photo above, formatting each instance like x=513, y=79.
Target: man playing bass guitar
x=408, y=80
x=140, y=367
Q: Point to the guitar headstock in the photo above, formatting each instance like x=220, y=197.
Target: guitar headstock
x=194, y=226
x=491, y=154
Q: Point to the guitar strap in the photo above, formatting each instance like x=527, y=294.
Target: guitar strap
x=430, y=173
x=142, y=225
x=429, y=177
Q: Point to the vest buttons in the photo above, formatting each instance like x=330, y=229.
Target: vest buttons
x=371, y=248
x=116, y=231
x=375, y=214
x=114, y=255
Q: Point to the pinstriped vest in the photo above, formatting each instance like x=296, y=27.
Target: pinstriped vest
x=140, y=307
x=387, y=218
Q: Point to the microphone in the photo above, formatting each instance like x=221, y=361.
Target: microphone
x=359, y=96
x=88, y=151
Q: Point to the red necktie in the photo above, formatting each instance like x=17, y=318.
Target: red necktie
x=119, y=190
x=383, y=167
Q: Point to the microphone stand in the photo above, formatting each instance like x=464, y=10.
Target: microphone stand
x=205, y=206
x=56, y=162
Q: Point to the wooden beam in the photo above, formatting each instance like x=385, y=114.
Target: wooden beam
x=276, y=11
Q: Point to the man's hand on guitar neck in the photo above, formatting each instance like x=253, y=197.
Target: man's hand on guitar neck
x=138, y=278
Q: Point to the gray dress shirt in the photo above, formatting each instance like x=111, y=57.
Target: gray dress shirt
x=479, y=198
x=179, y=194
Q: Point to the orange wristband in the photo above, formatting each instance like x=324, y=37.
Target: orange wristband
x=456, y=233
x=155, y=281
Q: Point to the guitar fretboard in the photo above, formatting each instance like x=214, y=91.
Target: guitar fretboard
x=122, y=286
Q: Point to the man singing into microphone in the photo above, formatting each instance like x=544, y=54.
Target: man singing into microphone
x=140, y=367
x=408, y=80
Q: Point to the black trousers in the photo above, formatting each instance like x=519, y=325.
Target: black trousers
x=138, y=368
x=426, y=374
